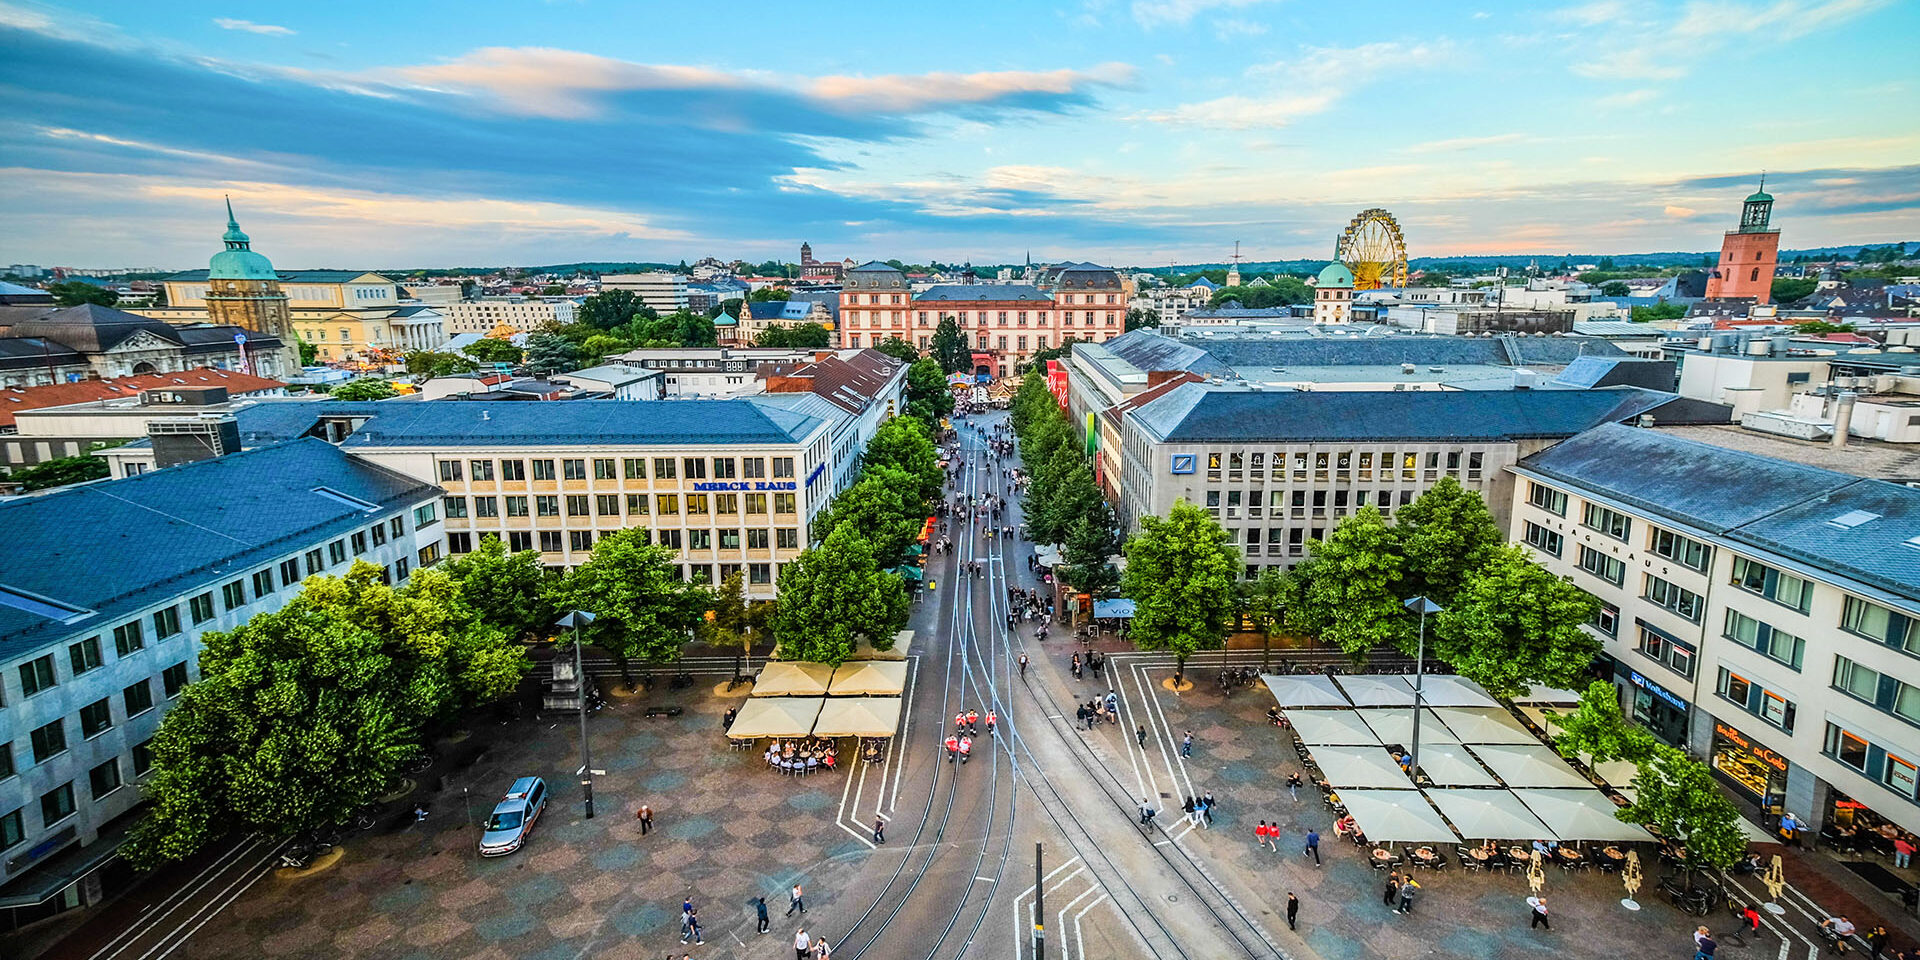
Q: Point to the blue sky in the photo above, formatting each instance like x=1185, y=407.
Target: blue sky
x=355, y=133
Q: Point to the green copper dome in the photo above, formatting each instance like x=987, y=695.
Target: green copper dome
x=1761, y=197
x=238, y=261
x=1336, y=274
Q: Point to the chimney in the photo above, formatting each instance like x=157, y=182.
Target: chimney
x=822, y=356
x=1842, y=418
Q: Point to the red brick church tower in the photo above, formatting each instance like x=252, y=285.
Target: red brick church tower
x=1748, y=255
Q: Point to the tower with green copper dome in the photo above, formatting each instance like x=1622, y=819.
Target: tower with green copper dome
x=1748, y=255
x=244, y=290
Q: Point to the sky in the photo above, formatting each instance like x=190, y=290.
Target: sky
x=1133, y=132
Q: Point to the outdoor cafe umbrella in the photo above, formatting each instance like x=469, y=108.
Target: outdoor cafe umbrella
x=792, y=678
x=1581, y=815
x=1327, y=728
x=1489, y=815
x=1304, y=691
x=858, y=717
x=1395, y=816
x=775, y=717
x=1377, y=691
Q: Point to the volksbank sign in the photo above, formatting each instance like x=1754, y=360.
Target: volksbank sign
x=743, y=485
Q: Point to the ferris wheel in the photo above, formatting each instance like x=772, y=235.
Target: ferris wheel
x=1373, y=248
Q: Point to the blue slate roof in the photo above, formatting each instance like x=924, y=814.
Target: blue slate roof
x=1147, y=350
x=1198, y=412
x=485, y=424
x=982, y=291
x=108, y=549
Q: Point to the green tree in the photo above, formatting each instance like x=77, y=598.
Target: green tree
x=1821, y=326
x=433, y=364
x=1347, y=591
x=507, y=589
x=72, y=293
x=1656, y=312
x=304, y=714
x=1514, y=623
x=734, y=620
x=1140, y=318
x=364, y=389
x=904, y=444
x=1443, y=535
x=1180, y=575
x=834, y=595
x=768, y=295
x=1676, y=795
x=1052, y=509
x=898, y=349
x=643, y=610
x=1598, y=729
x=801, y=336
x=949, y=347
x=60, y=471
x=1091, y=539
x=309, y=354
x=603, y=344
x=608, y=309
x=882, y=507
x=928, y=398
x=489, y=350
x=1614, y=288
x=549, y=353
x=693, y=330
x=1280, y=292
x=1265, y=599
x=1038, y=361
x=554, y=290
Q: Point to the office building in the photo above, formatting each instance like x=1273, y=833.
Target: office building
x=516, y=314
x=664, y=292
x=1004, y=324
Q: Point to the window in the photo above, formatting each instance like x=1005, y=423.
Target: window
x=127, y=638
x=1607, y=568
x=1675, y=655
x=6, y=763
x=449, y=471
x=664, y=469
x=753, y=468
x=1681, y=550
x=1772, y=641
x=543, y=469
x=96, y=718
x=400, y=569
x=550, y=541
x=360, y=542
x=519, y=541
x=290, y=568
x=1900, y=776
x=143, y=757
x=460, y=542
x=578, y=504
x=670, y=538
x=729, y=540
x=699, y=539
x=166, y=623
x=785, y=503
x=315, y=562
x=574, y=469
x=398, y=527
x=636, y=504
x=1540, y=495
x=1615, y=525
x=12, y=831
x=137, y=698
x=635, y=468
x=337, y=552
x=513, y=470
x=56, y=804
x=1777, y=710
x=456, y=507
x=546, y=505
x=787, y=538
x=756, y=503
x=200, y=608
x=481, y=470
x=49, y=741
x=696, y=503
x=84, y=656
x=424, y=515
x=723, y=468
x=667, y=504
x=516, y=506
x=606, y=504
x=1878, y=623
x=1674, y=597
x=783, y=468
x=36, y=675
x=696, y=467
x=1735, y=687
x=234, y=595
x=580, y=539
x=1544, y=540
x=756, y=539
x=173, y=679
x=1782, y=588
x=263, y=584
x=428, y=555
x=105, y=778
x=1846, y=748
x=1606, y=619
x=1855, y=679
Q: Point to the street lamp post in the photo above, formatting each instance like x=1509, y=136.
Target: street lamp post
x=576, y=620
x=1421, y=606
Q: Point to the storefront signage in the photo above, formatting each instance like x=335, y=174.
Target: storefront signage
x=1849, y=805
x=744, y=485
x=1759, y=753
x=1657, y=690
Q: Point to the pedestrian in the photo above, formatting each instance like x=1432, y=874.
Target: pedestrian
x=1293, y=910
x=760, y=907
x=645, y=816
x=966, y=749
x=879, y=830
x=693, y=923
x=1293, y=786
x=1202, y=818
x=1752, y=916
x=1539, y=905
x=1080, y=715
x=1188, y=807
x=1186, y=745
x=801, y=944
x=1023, y=666
x=1313, y=845
x=1902, y=852
x=821, y=949
x=1407, y=890
x=1146, y=812
x=1393, y=889
x=796, y=900
x=1140, y=736
x=1705, y=946
x=952, y=744
x=726, y=722
x=1876, y=941
x=1208, y=801
x=1076, y=666
x=991, y=719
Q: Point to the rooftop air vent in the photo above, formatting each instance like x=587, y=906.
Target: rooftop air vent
x=1852, y=518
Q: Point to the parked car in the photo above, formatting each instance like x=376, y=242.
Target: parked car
x=513, y=817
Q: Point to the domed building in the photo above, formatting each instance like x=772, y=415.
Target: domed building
x=1333, y=294
x=242, y=288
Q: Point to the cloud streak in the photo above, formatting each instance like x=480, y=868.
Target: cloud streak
x=248, y=26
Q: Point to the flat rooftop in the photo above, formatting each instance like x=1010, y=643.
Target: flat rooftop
x=1874, y=459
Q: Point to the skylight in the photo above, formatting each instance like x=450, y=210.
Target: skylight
x=1852, y=518
x=41, y=606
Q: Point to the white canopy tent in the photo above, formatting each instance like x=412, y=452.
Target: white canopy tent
x=1396, y=726
x=857, y=678
x=1528, y=765
x=1360, y=767
x=1489, y=815
x=1484, y=725
x=792, y=678
x=858, y=717
x=1581, y=815
x=1322, y=728
x=775, y=717
x=1445, y=690
x=1450, y=765
x=1618, y=773
x=1306, y=691
x=1395, y=816
x=1367, y=691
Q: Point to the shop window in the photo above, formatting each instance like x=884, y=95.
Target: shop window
x=1900, y=777
x=1846, y=748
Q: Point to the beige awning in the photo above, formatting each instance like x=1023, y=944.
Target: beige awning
x=858, y=717
x=1484, y=725
x=789, y=678
x=775, y=717
x=869, y=678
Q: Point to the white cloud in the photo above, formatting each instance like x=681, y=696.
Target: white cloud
x=1309, y=84
x=1630, y=98
x=1593, y=14
x=1157, y=13
x=1664, y=45
x=248, y=26
x=1678, y=212
x=1468, y=143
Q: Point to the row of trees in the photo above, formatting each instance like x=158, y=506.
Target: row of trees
x=1062, y=504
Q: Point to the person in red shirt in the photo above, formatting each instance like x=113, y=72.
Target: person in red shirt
x=991, y=717
x=953, y=746
x=1260, y=833
x=966, y=748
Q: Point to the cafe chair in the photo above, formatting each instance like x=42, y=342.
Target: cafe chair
x=1467, y=862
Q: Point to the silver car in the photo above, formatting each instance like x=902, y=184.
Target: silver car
x=513, y=817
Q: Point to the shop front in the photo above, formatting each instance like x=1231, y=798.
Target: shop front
x=1754, y=770
x=1655, y=707
x=1853, y=827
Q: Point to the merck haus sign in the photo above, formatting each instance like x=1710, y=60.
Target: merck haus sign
x=745, y=485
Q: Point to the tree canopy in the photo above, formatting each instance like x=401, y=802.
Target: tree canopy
x=610, y=308
x=1348, y=590
x=366, y=389
x=801, y=336
x=882, y=507
x=508, y=589
x=1442, y=535
x=928, y=398
x=905, y=444
x=434, y=364
x=835, y=594
x=949, y=347
x=489, y=350
x=60, y=471
x=1281, y=291
x=1514, y=622
x=643, y=610
x=550, y=353
x=72, y=293
x=898, y=349
x=1180, y=575
x=1676, y=795
x=1599, y=730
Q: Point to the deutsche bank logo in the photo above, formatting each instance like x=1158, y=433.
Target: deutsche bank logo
x=1183, y=462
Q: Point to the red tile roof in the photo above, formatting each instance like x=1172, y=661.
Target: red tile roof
x=13, y=399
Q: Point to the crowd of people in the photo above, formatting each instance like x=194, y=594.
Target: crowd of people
x=802, y=755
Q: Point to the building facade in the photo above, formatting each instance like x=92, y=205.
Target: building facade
x=1333, y=295
x=242, y=288
x=42, y=345
x=93, y=653
x=517, y=314
x=1761, y=612
x=664, y=292
x=1749, y=255
x=1003, y=324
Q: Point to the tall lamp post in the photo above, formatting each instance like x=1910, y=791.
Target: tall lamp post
x=1421, y=606
x=574, y=621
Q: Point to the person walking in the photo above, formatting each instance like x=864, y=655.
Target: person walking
x=1293, y=786
x=992, y=718
x=760, y=907
x=1704, y=946
x=693, y=923
x=1261, y=837
x=1392, y=893
x=796, y=900
x=822, y=949
x=1023, y=666
x=1209, y=805
x=1186, y=744
x=645, y=816
x=802, y=944
x=1313, y=845
x=1539, y=905
x=1140, y=736
x=879, y=830
x=1876, y=941
x=1293, y=910
x=1188, y=808
x=1407, y=890
x=1902, y=852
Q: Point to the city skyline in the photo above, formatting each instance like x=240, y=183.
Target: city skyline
x=1136, y=133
